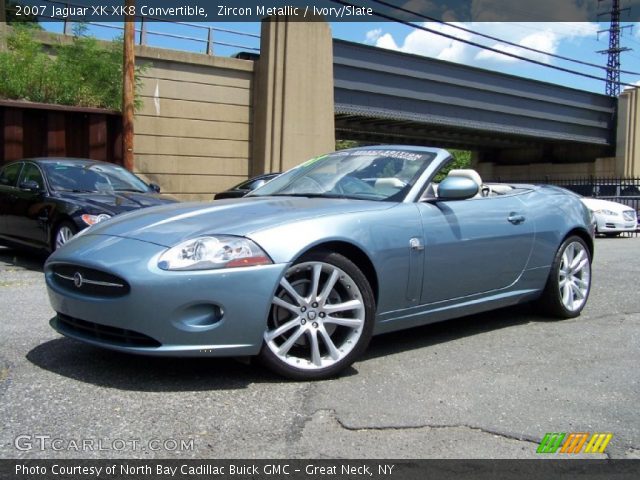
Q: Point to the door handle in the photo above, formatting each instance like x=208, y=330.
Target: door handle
x=416, y=245
x=515, y=218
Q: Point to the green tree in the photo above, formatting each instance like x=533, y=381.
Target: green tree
x=461, y=159
x=343, y=144
x=83, y=72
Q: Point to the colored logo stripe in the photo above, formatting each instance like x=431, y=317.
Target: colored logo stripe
x=550, y=443
x=598, y=442
x=574, y=442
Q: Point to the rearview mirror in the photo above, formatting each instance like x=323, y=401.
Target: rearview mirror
x=155, y=187
x=30, y=186
x=457, y=188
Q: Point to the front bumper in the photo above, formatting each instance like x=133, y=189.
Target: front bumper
x=205, y=313
x=609, y=224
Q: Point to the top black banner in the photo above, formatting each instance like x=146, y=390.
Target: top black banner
x=329, y=10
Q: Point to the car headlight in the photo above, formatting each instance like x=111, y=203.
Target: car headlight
x=212, y=252
x=608, y=212
x=93, y=219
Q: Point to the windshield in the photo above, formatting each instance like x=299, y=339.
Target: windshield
x=376, y=174
x=92, y=177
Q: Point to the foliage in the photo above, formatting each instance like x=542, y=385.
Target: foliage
x=83, y=72
x=461, y=159
x=343, y=144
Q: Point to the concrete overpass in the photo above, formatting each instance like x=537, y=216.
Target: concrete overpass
x=388, y=96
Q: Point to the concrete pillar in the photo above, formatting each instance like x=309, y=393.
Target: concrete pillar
x=293, y=94
x=628, y=134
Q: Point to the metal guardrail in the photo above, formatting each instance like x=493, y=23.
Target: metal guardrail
x=204, y=35
x=616, y=189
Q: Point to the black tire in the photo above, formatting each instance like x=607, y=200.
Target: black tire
x=563, y=300
x=612, y=234
x=306, y=319
x=60, y=230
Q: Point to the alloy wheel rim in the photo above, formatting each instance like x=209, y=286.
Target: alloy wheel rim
x=317, y=316
x=63, y=236
x=574, y=276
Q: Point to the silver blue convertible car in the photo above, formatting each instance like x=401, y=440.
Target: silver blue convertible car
x=306, y=269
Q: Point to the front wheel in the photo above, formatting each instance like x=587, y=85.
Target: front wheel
x=321, y=318
x=64, y=232
x=569, y=282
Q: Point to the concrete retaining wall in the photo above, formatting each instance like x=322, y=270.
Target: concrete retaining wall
x=193, y=133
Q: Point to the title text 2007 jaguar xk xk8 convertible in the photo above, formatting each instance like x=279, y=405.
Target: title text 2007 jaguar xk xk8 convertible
x=308, y=267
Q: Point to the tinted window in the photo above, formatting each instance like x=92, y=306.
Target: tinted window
x=30, y=172
x=91, y=177
x=9, y=174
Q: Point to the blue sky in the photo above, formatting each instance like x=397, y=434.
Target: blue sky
x=575, y=40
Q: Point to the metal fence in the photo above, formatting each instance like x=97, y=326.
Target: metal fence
x=621, y=190
x=158, y=32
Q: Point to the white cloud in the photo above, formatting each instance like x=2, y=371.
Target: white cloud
x=430, y=44
x=372, y=36
x=387, y=41
x=546, y=41
x=546, y=37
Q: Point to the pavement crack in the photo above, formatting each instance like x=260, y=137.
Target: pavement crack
x=435, y=426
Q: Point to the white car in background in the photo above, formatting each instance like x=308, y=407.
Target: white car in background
x=612, y=218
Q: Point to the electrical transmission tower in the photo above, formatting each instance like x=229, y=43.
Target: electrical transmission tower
x=614, y=50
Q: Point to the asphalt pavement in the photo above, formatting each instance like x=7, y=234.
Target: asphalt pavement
x=483, y=386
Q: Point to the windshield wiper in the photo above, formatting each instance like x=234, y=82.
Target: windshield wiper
x=306, y=195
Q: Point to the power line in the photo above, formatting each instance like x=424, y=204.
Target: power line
x=484, y=47
x=497, y=39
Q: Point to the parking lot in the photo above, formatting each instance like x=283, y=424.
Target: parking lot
x=484, y=386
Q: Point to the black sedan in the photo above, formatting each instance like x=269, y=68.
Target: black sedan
x=245, y=187
x=45, y=201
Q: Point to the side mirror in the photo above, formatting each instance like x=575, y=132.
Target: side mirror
x=30, y=186
x=457, y=188
x=155, y=187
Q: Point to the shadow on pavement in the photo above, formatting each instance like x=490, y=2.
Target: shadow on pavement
x=111, y=369
x=449, y=330
x=10, y=257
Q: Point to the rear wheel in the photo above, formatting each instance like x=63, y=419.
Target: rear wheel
x=63, y=233
x=321, y=318
x=569, y=282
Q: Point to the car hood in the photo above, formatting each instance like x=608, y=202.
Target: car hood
x=169, y=225
x=115, y=202
x=597, y=204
